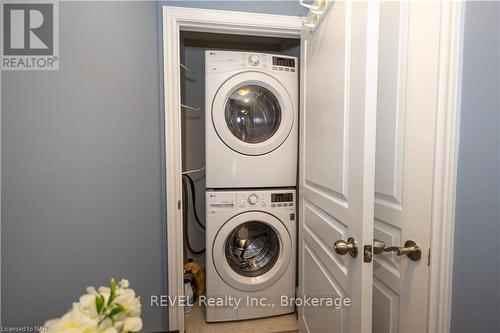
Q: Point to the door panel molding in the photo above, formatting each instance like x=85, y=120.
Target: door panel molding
x=336, y=320
x=392, y=303
x=329, y=125
x=333, y=195
x=391, y=104
x=336, y=267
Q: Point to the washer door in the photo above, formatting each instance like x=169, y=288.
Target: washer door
x=252, y=113
x=252, y=251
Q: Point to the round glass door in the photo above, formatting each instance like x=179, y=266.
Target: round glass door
x=251, y=251
x=252, y=248
x=252, y=114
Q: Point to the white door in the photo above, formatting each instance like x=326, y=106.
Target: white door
x=407, y=102
x=337, y=165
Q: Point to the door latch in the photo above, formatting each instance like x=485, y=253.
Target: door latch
x=367, y=253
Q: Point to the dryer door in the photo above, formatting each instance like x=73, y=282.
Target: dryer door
x=252, y=251
x=252, y=113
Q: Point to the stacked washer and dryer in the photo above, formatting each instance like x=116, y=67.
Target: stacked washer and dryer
x=251, y=173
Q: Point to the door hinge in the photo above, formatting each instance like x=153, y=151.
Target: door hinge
x=429, y=257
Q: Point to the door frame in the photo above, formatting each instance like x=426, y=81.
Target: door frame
x=445, y=166
x=176, y=19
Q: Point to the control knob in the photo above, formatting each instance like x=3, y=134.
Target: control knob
x=253, y=199
x=254, y=60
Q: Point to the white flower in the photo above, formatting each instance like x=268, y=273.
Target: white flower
x=133, y=324
x=124, y=284
x=105, y=325
x=84, y=318
x=87, y=300
x=91, y=291
x=87, y=305
x=104, y=291
x=72, y=322
x=111, y=330
x=131, y=303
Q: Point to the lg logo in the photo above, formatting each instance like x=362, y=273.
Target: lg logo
x=29, y=35
x=28, y=29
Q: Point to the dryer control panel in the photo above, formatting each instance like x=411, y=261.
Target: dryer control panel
x=224, y=201
x=222, y=61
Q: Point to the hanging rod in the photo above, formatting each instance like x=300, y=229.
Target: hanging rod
x=193, y=171
x=189, y=107
x=188, y=69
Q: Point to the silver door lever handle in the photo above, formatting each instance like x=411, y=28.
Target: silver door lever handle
x=410, y=249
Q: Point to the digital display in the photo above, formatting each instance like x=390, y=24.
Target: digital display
x=282, y=197
x=286, y=62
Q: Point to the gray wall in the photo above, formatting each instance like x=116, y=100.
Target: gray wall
x=476, y=278
x=82, y=148
x=81, y=178
x=282, y=7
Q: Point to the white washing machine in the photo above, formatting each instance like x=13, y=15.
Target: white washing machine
x=251, y=119
x=250, y=247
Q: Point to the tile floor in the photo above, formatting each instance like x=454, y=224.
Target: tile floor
x=194, y=322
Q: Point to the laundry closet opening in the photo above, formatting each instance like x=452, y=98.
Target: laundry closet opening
x=274, y=241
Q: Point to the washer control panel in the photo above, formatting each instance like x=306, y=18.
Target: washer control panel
x=224, y=201
x=252, y=199
x=223, y=61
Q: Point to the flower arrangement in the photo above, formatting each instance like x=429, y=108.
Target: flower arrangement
x=113, y=309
